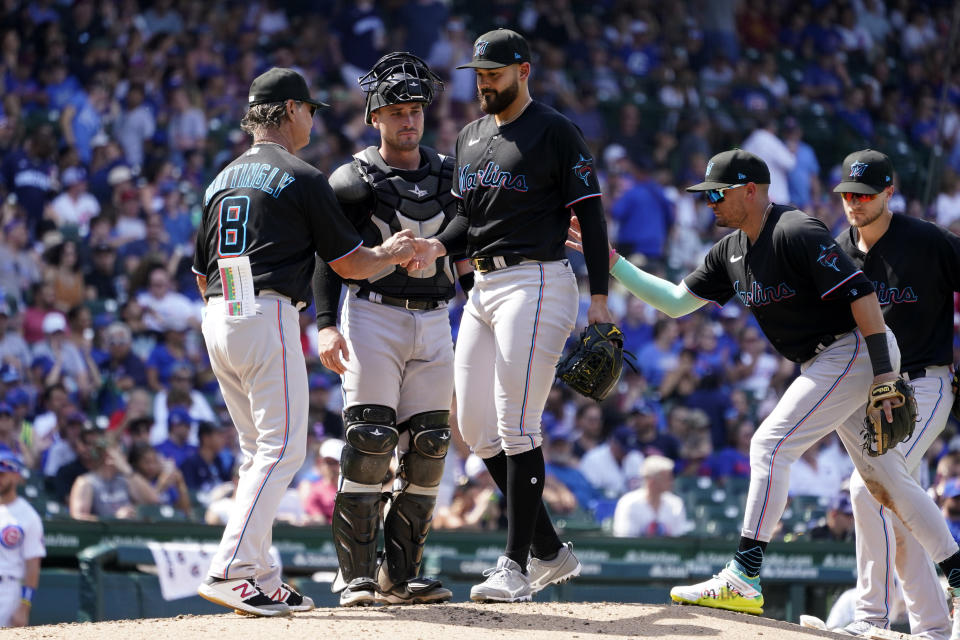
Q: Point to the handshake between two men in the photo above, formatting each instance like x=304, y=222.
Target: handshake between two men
x=411, y=252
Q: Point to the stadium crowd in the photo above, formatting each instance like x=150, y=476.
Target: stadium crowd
x=115, y=116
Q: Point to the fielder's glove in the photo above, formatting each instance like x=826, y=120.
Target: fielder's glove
x=878, y=434
x=593, y=367
x=955, y=383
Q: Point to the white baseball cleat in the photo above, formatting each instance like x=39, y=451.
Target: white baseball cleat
x=505, y=583
x=563, y=567
x=243, y=595
x=360, y=592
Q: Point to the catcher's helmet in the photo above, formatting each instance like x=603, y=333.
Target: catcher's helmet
x=399, y=77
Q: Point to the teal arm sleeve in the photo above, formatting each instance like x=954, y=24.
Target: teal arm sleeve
x=672, y=299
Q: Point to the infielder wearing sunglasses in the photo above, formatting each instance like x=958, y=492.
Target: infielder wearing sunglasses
x=859, y=197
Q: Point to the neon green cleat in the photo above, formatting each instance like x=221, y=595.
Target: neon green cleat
x=730, y=589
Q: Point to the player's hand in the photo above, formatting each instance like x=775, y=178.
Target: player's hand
x=331, y=345
x=575, y=241
x=598, y=311
x=400, y=246
x=427, y=251
x=21, y=616
x=887, y=377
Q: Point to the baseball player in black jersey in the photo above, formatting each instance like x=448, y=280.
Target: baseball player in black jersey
x=396, y=352
x=915, y=268
x=521, y=170
x=819, y=310
x=265, y=217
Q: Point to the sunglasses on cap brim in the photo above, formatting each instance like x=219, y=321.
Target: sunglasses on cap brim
x=717, y=195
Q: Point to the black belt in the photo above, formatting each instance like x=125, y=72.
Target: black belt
x=915, y=374
x=826, y=341
x=403, y=303
x=495, y=263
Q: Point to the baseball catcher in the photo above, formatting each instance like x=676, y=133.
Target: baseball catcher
x=881, y=431
x=593, y=367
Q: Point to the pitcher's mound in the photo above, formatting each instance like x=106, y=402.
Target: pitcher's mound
x=450, y=621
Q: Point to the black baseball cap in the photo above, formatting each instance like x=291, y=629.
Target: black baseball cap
x=733, y=167
x=277, y=85
x=866, y=171
x=498, y=48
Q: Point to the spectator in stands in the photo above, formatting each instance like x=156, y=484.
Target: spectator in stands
x=652, y=510
x=950, y=507
x=660, y=355
x=30, y=174
x=52, y=412
x=102, y=278
x=162, y=476
x=110, y=490
x=810, y=476
x=319, y=491
x=63, y=450
x=135, y=125
x=63, y=273
x=205, y=469
x=42, y=303
x=221, y=500
x=71, y=366
x=643, y=213
x=733, y=461
x=765, y=142
x=614, y=466
x=167, y=356
x=475, y=504
x=153, y=247
x=804, y=179
x=13, y=348
x=562, y=465
x=181, y=383
x=325, y=422
x=19, y=265
x=75, y=207
x=9, y=430
x=176, y=447
x=165, y=309
x=120, y=369
x=588, y=429
x=644, y=419
x=837, y=525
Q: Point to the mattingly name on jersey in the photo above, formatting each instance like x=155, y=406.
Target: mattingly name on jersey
x=490, y=176
x=250, y=175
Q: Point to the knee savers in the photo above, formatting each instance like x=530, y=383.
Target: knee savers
x=422, y=465
x=371, y=436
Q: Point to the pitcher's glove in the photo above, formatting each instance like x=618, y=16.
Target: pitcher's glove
x=878, y=434
x=593, y=367
x=955, y=383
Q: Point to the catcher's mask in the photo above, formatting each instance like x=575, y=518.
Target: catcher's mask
x=398, y=77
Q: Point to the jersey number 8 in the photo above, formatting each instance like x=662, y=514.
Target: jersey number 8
x=232, y=226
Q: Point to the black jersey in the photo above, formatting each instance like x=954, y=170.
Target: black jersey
x=795, y=280
x=280, y=212
x=915, y=268
x=518, y=180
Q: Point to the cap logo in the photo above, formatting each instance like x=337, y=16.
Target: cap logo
x=517, y=56
x=251, y=98
x=741, y=176
x=886, y=178
x=709, y=168
x=480, y=48
x=857, y=169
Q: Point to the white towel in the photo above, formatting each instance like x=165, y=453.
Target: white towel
x=182, y=566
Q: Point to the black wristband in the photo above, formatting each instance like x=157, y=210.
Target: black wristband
x=879, y=354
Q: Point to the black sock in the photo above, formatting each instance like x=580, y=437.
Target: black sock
x=525, y=473
x=545, y=543
x=951, y=569
x=749, y=556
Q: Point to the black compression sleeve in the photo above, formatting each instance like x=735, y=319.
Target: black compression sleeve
x=454, y=236
x=593, y=227
x=326, y=294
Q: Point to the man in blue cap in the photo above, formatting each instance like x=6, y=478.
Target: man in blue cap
x=21, y=545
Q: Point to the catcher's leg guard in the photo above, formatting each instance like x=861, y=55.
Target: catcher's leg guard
x=370, y=439
x=408, y=520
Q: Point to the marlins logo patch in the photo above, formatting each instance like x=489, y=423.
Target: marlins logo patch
x=857, y=169
x=828, y=257
x=583, y=169
x=709, y=169
x=11, y=536
x=480, y=48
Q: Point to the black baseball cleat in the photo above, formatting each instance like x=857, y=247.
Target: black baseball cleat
x=416, y=591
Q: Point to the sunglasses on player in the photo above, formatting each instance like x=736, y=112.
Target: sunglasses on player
x=313, y=108
x=859, y=197
x=717, y=195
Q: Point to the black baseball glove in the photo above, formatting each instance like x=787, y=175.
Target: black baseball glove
x=878, y=434
x=593, y=367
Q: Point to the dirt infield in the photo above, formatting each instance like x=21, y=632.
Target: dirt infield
x=452, y=621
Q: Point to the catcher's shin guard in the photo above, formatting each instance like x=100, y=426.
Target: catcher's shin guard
x=408, y=520
x=356, y=523
x=371, y=436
